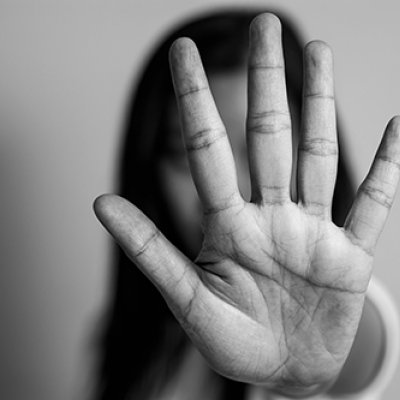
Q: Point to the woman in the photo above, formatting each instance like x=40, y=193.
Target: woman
x=147, y=354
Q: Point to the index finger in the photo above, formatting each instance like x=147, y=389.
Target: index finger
x=208, y=148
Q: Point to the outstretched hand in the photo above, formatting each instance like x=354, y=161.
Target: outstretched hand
x=276, y=293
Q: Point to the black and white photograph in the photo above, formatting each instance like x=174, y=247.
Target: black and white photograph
x=198, y=200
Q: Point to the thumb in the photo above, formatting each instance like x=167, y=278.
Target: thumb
x=170, y=271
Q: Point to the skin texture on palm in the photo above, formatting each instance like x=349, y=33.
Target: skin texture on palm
x=276, y=293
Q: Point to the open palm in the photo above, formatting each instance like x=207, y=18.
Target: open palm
x=276, y=293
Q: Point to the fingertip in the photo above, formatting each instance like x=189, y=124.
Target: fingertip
x=318, y=70
x=101, y=203
x=266, y=41
x=390, y=143
x=265, y=29
x=182, y=50
x=186, y=66
x=108, y=206
x=318, y=51
x=394, y=125
x=265, y=23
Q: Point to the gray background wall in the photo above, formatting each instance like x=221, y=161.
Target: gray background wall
x=66, y=69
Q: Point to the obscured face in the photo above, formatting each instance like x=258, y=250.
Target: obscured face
x=230, y=94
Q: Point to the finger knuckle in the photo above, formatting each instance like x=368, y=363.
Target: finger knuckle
x=376, y=194
x=204, y=138
x=319, y=147
x=269, y=123
x=145, y=245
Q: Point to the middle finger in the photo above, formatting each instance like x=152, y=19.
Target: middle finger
x=269, y=134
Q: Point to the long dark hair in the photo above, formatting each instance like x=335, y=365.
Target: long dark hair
x=141, y=339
